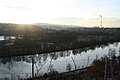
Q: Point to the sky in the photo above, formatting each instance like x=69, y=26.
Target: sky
x=67, y=12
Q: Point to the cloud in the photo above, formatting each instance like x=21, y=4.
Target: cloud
x=16, y=7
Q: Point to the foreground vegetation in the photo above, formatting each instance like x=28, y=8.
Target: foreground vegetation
x=105, y=68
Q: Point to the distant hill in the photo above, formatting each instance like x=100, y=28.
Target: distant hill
x=41, y=25
x=56, y=26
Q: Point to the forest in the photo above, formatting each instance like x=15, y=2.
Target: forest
x=35, y=39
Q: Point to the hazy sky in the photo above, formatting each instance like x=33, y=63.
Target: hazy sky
x=71, y=12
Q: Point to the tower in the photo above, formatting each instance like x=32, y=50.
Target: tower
x=101, y=21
